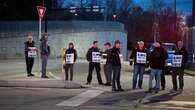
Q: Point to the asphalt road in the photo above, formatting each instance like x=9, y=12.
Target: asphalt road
x=93, y=97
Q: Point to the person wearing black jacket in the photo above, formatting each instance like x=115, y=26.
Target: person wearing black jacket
x=93, y=57
x=29, y=46
x=70, y=58
x=156, y=62
x=140, y=58
x=181, y=55
x=107, y=65
x=45, y=52
x=115, y=60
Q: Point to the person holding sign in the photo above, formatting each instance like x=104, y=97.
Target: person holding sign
x=30, y=53
x=94, y=57
x=115, y=61
x=70, y=57
x=107, y=65
x=179, y=61
x=140, y=57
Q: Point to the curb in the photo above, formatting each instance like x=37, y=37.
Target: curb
x=188, y=72
x=40, y=84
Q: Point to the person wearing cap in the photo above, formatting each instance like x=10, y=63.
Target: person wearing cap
x=70, y=58
x=115, y=60
x=106, y=64
x=29, y=49
x=179, y=63
x=140, y=58
x=156, y=62
x=45, y=52
x=93, y=56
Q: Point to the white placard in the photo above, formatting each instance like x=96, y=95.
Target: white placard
x=69, y=58
x=121, y=58
x=103, y=59
x=32, y=53
x=141, y=57
x=177, y=60
x=96, y=57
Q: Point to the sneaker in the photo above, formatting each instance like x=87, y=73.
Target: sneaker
x=120, y=90
x=30, y=75
x=114, y=90
x=88, y=83
x=46, y=77
x=107, y=84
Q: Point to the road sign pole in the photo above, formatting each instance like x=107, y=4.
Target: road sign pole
x=39, y=59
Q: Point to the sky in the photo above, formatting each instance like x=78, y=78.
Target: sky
x=184, y=6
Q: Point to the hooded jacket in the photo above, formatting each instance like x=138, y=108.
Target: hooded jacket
x=113, y=57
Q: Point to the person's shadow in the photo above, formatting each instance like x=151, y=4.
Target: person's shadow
x=162, y=98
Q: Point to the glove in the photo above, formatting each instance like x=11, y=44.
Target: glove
x=130, y=63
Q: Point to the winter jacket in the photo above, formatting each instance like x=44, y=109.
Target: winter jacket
x=157, y=58
x=44, y=48
x=27, y=45
x=133, y=56
x=113, y=57
x=71, y=51
x=184, y=54
x=89, y=53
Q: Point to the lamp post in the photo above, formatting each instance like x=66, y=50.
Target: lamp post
x=114, y=16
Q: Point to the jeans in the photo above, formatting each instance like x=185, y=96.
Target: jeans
x=180, y=73
x=138, y=70
x=67, y=68
x=116, y=77
x=29, y=64
x=93, y=65
x=157, y=73
x=108, y=73
x=44, y=59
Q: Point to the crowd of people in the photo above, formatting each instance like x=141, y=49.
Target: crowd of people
x=111, y=58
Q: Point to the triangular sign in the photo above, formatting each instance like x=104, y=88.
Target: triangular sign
x=41, y=10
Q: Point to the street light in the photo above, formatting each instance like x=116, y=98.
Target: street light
x=114, y=16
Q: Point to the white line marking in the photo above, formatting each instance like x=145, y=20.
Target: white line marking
x=81, y=98
x=179, y=103
x=55, y=77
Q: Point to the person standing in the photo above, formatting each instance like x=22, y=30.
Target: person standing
x=106, y=64
x=179, y=61
x=30, y=53
x=156, y=62
x=93, y=57
x=45, y=52
x=115, y=60
x=70, y=58
x=140, y=57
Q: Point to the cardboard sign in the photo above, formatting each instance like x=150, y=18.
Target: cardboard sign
x=69, y=58
x=32, y=53
x=141, y=58
x=177, y=60
x=103, y=59
x=96, y=57
x=121, y=58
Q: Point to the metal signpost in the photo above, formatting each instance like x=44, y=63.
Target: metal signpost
x=41, y=11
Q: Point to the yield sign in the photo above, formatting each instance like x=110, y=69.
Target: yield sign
x=41, y=10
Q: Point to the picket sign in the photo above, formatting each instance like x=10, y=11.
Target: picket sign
x=103, y=58
x=177, y=60
x=141, y=57
x=32, y=53
x=96, y=57
x=69, y=58
x=121, y=57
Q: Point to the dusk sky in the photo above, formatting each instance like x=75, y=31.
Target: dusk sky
x=184, y=6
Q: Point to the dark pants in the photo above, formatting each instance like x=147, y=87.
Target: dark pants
x=116, y=77
x=163, y=80
x=108, y=73
x=29, y=64
x=180, y=73
x=90, y=72
x=67, y=68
